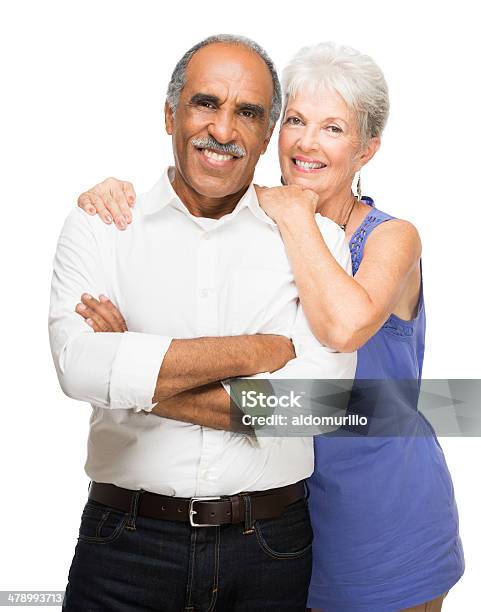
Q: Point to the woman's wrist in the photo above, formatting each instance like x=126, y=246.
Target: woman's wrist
x=295, y=218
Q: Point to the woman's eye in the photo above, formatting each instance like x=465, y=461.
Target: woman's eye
x=334, y=129
x=293, y=121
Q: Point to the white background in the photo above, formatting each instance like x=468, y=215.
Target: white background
x=83, y=87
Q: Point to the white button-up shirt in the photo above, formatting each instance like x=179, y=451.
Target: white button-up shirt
x=174, y=275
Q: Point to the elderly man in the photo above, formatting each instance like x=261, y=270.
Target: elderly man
x=184, y=514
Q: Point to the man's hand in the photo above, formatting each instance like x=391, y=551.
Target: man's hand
x=101, y=314
x=111, y=200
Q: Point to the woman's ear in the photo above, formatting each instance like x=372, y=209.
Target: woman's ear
x=368, y=151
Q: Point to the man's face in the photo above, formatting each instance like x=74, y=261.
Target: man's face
x=226, y=100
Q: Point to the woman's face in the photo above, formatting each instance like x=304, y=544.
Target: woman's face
x=319, y=145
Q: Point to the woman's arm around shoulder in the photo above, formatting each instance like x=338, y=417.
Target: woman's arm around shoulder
x=344, y=312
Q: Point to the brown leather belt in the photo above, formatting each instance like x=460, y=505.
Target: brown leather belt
x=200, y=511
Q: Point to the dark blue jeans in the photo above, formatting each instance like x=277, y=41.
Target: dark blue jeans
x=129, y=563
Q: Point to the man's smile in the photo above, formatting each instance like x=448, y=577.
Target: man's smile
x=215, y=159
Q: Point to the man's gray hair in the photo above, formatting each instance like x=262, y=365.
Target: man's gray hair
x=356, y=77
x=177, y=80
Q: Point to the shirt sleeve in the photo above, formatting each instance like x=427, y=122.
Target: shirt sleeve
x=111, y=370
x=335, y=239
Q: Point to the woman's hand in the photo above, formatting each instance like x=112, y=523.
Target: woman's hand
x=111, y=200
x=286, y=202
x=101, y=314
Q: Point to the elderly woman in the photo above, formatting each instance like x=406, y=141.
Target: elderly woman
x=382, y=508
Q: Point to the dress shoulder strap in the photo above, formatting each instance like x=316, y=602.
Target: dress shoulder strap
x=358, y=240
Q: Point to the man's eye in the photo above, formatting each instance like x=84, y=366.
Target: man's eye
x=247, y=114
x=293, y=121
x=205, y=104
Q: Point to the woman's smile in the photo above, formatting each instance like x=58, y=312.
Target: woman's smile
x=307, y=164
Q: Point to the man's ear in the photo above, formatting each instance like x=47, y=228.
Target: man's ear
x=369, y=151
x=267, y=139
x=169, y=118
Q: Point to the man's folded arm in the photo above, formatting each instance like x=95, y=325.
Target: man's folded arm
x=189, y=364
x=208, y=405
x=133, y=370
x=212, y=407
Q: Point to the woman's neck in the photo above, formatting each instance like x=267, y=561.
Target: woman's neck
x=342, y=208
x=337, y=207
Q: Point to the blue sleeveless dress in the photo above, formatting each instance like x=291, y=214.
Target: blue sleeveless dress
x=382, y=508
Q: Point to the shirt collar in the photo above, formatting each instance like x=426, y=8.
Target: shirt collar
x=162, y=194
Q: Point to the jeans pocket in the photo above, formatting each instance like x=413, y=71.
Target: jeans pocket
x=287, y=537
x=101, y=523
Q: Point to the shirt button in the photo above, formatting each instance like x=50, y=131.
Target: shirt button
x=206, y=236
x=204, y=293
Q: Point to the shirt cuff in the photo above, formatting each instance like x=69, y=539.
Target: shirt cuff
x=135, y=370
x=227, y=387
x=255, y=439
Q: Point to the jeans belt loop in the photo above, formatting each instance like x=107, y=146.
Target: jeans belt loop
x=134, y=507
x=236, y=508
x=248, y=525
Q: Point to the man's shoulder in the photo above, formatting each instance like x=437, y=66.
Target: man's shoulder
x=331, y=231
x=79, y=220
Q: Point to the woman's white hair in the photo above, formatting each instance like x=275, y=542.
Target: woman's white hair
x=354, y=76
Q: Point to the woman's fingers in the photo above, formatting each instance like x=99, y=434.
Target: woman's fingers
x=129, y=192
x=111, y=195
x=86, y=204
x=100, y=207
x=311, y=196
x=260, y=189
x=104, y=314
x=93, y=204
x=111, y=199
x=118, y=199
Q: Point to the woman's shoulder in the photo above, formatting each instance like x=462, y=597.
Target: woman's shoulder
x=399, y=232
x=395, y=227
x=375, y=219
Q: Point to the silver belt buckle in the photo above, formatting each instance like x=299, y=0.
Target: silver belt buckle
x=192, y=511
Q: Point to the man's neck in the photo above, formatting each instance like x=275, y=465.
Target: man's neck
x=204, y=206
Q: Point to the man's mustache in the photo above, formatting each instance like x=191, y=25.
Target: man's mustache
x=229, y=148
